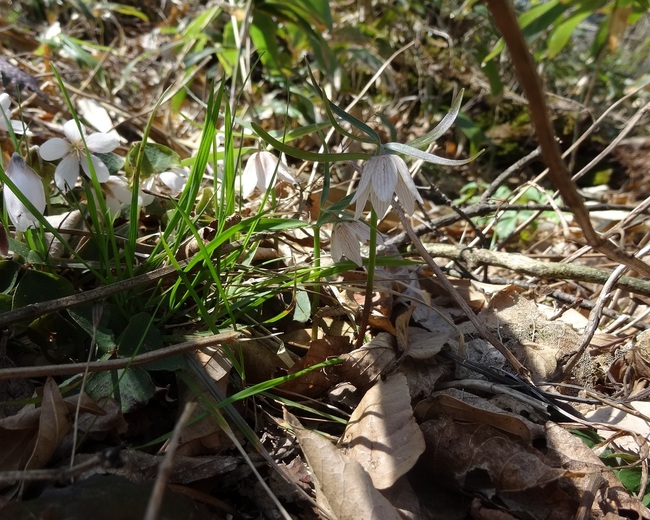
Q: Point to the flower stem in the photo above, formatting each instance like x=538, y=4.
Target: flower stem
x=370, y=279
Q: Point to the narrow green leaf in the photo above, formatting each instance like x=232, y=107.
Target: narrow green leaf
x=425, y=156
x=442, y=127
x=304, y=155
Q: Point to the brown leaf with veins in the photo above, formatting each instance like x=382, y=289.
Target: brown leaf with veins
x=54, y=424
x=382, y=434
x=343, y=487
x=365, y=365
x=480, y=458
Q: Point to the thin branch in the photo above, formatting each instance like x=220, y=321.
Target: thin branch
x=524, y=265
x=116, y=364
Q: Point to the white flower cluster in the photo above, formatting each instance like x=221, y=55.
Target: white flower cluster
x=76, y=151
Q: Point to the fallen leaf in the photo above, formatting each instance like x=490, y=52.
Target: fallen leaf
x=365, y=365
x=480, y=458
x=463, y=406
x=53, y=426
x=382, y=434
x=343, y=488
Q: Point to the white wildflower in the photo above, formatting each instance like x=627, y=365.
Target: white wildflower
x=30, y=185
x=118, y=194
x=384, y=176
x=347, y=236
x=170, y=182
x=72, y=153
x=260, y=171
x=17, y=126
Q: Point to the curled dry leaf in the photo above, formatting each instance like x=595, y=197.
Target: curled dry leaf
x=459, y=452
x=584, y=466
x=464, y=406
x=343, y=488
x=53, y=426
x=365, y=365
x=382, y=434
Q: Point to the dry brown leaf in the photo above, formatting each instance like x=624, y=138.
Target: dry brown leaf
x=382, y=434
x=53, y=426
x=343, y=487
x=365, y=365
x=316, y=383
x=570, y=452
x=34, y=432
x=464, y=406
x=402, y=329
x=424, y=344
x=481, y=458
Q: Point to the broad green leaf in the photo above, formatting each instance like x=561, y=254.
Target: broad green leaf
x=264, y=35
x=113, y=162
x=157, y=158
x=37, y=286
x=102, y=331
x=140, y=336
x=561, y=35
x=132, y=387
x=58, y=338
x=302, y=309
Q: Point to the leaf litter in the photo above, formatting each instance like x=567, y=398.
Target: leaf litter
x=423, y=410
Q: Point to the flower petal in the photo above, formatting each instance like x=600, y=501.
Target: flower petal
x=66, y=173
x=175, y=181
x=54, y=149
x=384, y=176
x=349, y=242
x=102, y=143
x=248, y=179
x=360, y=198
x=380, y=206
x=5, y=102
x=71, y=131
x=101, y=170
x=31, y=186
x=18, y=127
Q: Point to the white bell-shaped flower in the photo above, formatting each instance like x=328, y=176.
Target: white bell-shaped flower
x=263, y=168
x=347, y=237
x=384, y=176
x=30, y=185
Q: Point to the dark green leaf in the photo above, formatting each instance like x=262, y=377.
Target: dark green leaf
x=131, y=388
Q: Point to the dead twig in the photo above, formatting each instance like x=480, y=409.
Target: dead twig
x=546, y=270
x=116, y=364
x=167, y=465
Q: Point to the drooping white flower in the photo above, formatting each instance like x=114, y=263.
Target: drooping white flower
x=384, y=176
x=261, y=170
x=347, y=236
x=72, y=153
x=170, y=183
x=30, y=185
x=17, y=126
